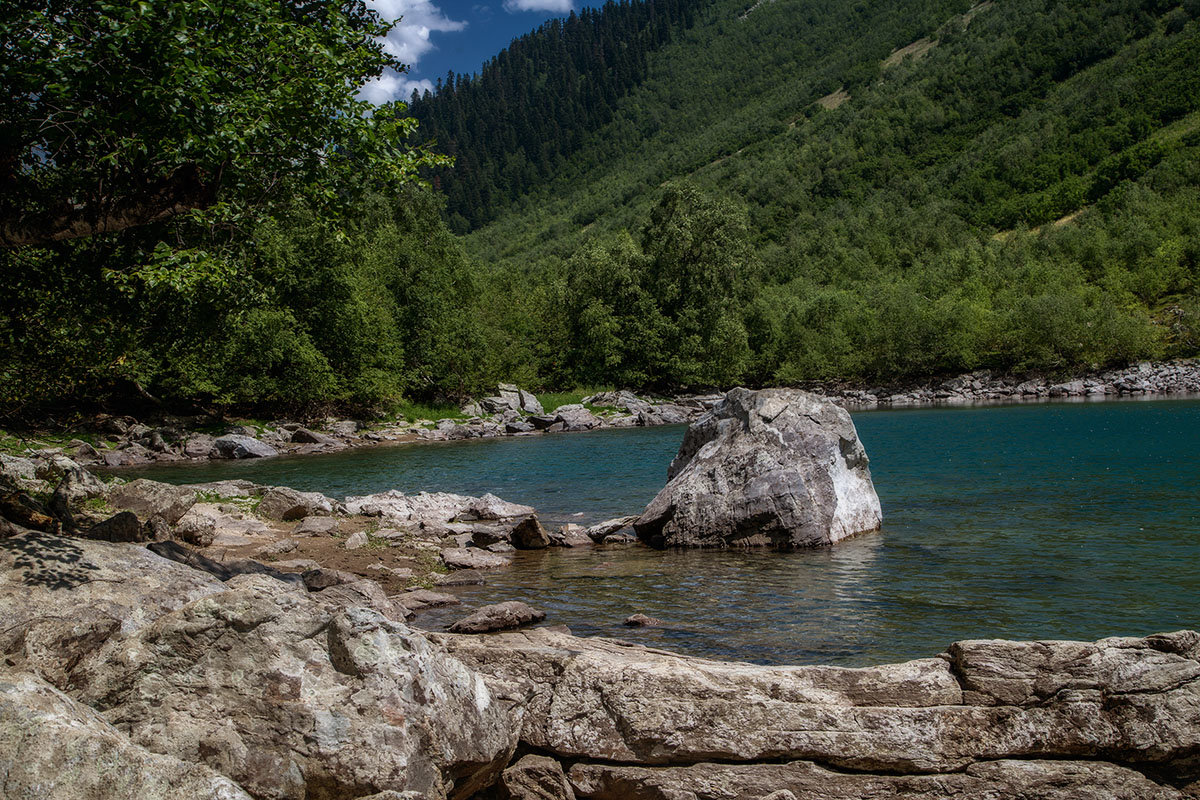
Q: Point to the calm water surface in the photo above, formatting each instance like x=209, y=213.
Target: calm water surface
x=1038, y=521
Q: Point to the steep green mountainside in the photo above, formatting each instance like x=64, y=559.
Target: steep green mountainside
x=892, y=163
x=511, y=126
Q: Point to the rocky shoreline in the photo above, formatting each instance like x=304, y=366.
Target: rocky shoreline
x=128, y=675
x=231, y=640
x=113, y=442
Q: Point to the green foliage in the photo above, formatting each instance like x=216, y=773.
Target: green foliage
x=212, y=115
x=1020, y=193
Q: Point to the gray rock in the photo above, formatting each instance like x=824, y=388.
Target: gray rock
x=198, y=445
x=223, y=570
x=238, y=446
x=346, y=427
x=529, y=403
x=424, y=598
x=775, y=467
x=282, y=503
x=278, y=548
x=149, y=499
x=61, y=598
x=500, y=547
x=21, y=474
x=316, y=526
x=536, y=777
x=542, y=421
x=602, y=530
x=54, y=748
x=529, y=534
x=363, y=593
x=804, y=780
x=356, y=540
x=434, y=507
x=498, y=617
x=641, y=621
x=1133, y=702
x=196, y=528
x=124, y=526
x=324, y=577
x=78, y=485
x=294, y=699
x=472, y=558
x=305, y=436
x=519, y=427
x=576, y=418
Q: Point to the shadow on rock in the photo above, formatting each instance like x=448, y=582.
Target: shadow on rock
x=51, y=561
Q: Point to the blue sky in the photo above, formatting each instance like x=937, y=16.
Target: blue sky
x=435, y=36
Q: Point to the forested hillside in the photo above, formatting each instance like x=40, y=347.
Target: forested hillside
x=911, y=187
x=672, y=194
x=511, y=126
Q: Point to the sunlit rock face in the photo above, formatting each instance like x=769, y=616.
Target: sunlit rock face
x=776, y=467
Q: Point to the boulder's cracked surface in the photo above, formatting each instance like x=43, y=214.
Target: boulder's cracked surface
x=775, y=467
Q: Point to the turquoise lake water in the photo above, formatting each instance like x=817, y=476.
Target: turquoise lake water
x=1073, y=521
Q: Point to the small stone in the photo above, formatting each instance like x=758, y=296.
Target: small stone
x=472, y=558
x=278, y=548
x=356, y=540
x=530, y=535
x=462, y=577
x=316, y=526
x=642, y=621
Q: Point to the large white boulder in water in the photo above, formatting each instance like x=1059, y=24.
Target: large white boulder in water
x=775, y=467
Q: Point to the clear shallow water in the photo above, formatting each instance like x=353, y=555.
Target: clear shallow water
x=1038, y=521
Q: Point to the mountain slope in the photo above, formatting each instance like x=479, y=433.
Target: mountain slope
x=877, y=151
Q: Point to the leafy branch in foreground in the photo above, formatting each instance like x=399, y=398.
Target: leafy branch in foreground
x=209, y=115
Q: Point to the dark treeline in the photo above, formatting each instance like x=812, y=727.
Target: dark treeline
x=512, y=125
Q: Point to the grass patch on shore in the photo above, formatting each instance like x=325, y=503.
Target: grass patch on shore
x=412, y=411
x=554, y=400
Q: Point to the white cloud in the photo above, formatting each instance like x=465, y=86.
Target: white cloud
x=555, y=6
x=392, y=86
x=407, y=41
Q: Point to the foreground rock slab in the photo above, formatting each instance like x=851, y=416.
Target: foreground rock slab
x=53, y=748
x=295, y=700
x=62, y=598
x=996, y=780
x=1133, y=703
x=775, y=467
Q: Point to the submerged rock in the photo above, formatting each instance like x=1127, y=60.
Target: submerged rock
x=499, y=617
x=472, y=558
x=775, y=467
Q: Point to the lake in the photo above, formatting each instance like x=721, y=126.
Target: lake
x=1034, y=521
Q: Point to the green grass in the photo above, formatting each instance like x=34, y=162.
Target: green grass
x=553, y=400
x=412, y=411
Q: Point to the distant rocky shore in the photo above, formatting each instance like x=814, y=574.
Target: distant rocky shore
x=116, y=441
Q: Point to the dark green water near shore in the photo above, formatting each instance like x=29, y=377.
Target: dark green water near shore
x=1028, y=522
